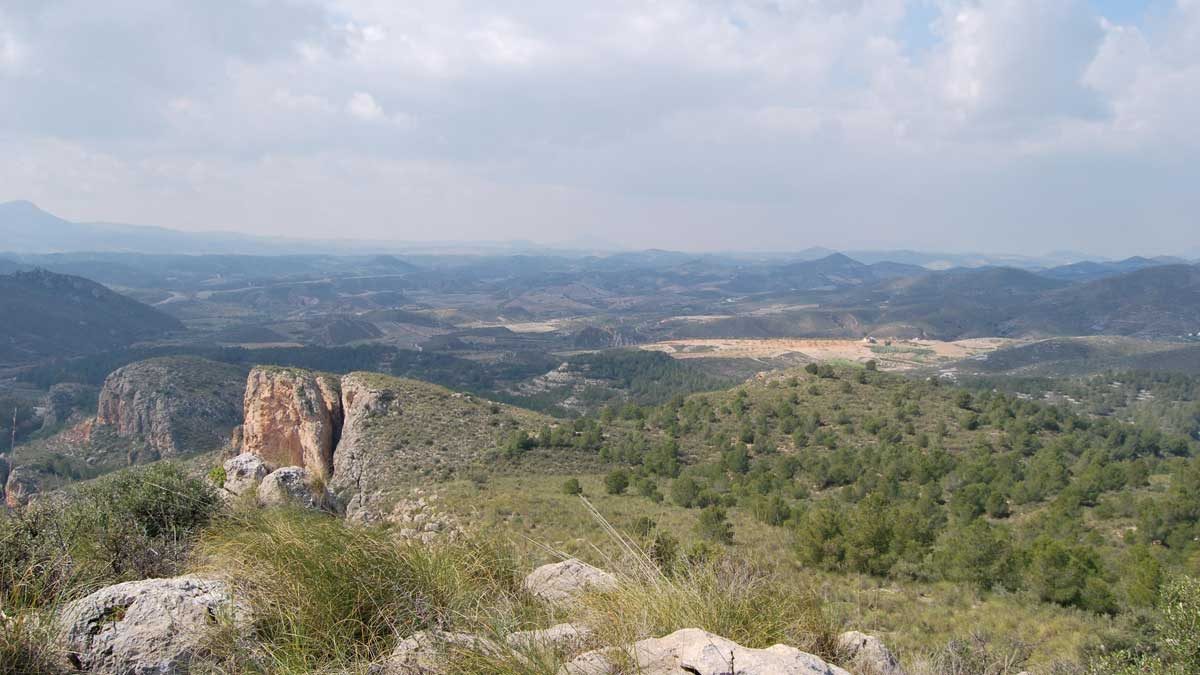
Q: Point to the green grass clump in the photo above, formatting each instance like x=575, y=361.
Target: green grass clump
x=728, y=596
x=325, y=595
x=25, y=647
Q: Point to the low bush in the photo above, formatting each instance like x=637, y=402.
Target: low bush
x=134, y=524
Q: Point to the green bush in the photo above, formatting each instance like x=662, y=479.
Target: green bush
x=134, y=524
x=1176, y=648
x=616, y=482
x=714, y=525
x=571, y=486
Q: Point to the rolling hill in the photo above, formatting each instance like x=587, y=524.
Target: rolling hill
x=1156, y=302
x=50, y=315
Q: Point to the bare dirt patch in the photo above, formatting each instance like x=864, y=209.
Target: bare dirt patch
x=889, y=354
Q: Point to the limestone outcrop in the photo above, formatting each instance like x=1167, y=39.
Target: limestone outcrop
x=426, y=652
x=868, y=654
x=294, y=486
x=244, y=473
x=293, y=418
x=361, y=401
x=561, y=583
x=692, y=651
x=21, y=485
x=563, y=638
x=173, y=405
x=64, y=403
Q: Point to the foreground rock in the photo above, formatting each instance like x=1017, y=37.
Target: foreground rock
x=20, y=486
x=692, y=651
x=429, y=651
x=172, y=405
x=155, y=626
x=868, y=654
x=294, y=486
x=292, y=418
x=564, y=638
x=561, y=583
x=244, y=473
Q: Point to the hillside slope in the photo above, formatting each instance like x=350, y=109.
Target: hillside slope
x=51, y=314
x=1156, y=302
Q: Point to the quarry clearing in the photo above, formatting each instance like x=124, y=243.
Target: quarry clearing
x=889, y=354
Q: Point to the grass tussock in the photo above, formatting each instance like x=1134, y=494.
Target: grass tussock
x=327, y=596
x=26, y=646
x=727, y=596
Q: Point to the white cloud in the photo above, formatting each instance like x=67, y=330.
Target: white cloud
x=12, y=54
x=363, y=106
x=785, y=111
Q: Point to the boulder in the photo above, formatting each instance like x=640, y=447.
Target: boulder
x=561, y=583
x=697, y=652
x=22, y=484
x=154, y=626
x=425, y=652
x=292, y=418
x=564, y=638
x=293, y=486
x=244, y=473
x=868, y=654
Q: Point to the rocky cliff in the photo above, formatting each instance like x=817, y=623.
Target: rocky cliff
x=172, y=406
x=292, y=417
x=365, y=431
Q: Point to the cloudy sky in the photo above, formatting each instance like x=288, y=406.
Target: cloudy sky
x=1000, y=125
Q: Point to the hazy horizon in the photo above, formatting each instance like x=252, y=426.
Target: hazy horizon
x=962, y=126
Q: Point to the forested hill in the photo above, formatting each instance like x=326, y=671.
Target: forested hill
x=878, y=474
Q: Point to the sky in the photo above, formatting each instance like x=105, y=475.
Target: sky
x=1020, y=126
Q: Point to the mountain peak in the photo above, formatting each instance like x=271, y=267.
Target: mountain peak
x=20, y=205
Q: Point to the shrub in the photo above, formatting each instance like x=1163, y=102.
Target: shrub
x=141, y=522
x=643, y=526
x=134, y=524
x=616, y=482
x=1176, y=649
x=571, y=486
x=649, y=489
x=217, y=476
x=714, y=526
x=685, y=492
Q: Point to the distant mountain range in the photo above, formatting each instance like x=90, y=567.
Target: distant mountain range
x=27, y=229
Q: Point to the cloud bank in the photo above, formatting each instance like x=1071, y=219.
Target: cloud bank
x=1018, y=125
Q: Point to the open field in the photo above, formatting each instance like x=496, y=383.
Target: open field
x=890, y=354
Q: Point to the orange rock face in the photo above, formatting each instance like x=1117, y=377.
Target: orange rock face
x=292, y=418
